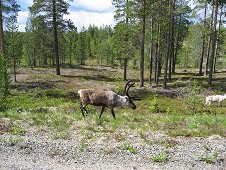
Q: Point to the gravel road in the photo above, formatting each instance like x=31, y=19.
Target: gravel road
x=108, y=151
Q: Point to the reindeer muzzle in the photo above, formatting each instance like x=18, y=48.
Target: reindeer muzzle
x=134, y=107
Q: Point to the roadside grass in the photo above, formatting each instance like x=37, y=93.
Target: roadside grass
x=201, y=125
x=17, y=129
x=56, y=121
x=162, y=157
x=210, y=159
x=46, y=106
x=129, y=147
x=171, y=117
x=13, y=140
x=41, y=109
x=37, y=98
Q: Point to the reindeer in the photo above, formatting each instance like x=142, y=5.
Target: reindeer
x=215, y=98
x=105, y=99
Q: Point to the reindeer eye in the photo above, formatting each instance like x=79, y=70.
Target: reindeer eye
x=127, y=98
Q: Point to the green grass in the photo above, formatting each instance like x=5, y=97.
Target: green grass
x=83, y=144
x=162, y=157
x=13, y=140
x=12, y=114
x=175, y=124
x=57, y=122
x=30, y=102
x=210, y=159
x=176, y=116
x=129, y=148
x=61, y=135
x=17, y=129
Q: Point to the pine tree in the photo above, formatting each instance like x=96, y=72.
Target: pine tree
x=124, y=31
x=13, y=43
x=52, y=11
x=142, y=39
x=213, y=41
x=2, y=50
x=82, y=46
x=5, y=6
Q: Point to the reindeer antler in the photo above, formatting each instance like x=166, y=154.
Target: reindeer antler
x=127, y=87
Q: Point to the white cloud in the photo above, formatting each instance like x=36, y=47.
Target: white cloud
x=91, y=12
x=93, y=5
x=82, y=13
x=21, y=27
x=22, y=19
x=29, y=2
x=83, y=18
x=24, y=4
x=191, y=4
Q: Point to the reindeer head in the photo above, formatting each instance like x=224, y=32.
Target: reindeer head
x=128, y=98
x=224, y=96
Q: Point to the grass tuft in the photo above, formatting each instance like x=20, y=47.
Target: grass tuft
x=210, y=159
x=162, y=157
x=129, y=148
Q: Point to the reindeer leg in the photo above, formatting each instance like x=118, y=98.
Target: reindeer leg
x=86, y=112
x=112, y=112
x=82, y=107
x=102, y=110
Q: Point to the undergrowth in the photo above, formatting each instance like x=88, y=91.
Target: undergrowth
x=54, y=109
x=170, y=118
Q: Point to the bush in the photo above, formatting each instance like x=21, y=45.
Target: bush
x=4, y=77
x=4, y=82
x=193, y=100
x=154, y=104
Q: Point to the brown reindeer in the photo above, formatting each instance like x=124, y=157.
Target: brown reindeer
x=105, y=99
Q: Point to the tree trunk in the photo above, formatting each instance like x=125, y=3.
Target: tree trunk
x=112, y=60
x=172, y=42
x=209, y=40
x=203, y=42
x=70, y=53
x=151, y=51
x=156, y=60
x=34, y=57
x=56, y=38
x=142, y=45
x=168, y=48
x=125, y=69
x=218, y=40
x=213, y=42
x=14, y=63
x=177, y=46
x=2, y=49
x=158, y=52
x=126, y=39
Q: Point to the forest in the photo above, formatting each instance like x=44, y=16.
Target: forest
x=173, y=50
x=158, y=36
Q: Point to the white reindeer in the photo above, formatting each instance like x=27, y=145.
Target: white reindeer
x=215, y=98
x=105, y=99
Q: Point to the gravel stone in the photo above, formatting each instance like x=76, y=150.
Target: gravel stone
x=41, y=152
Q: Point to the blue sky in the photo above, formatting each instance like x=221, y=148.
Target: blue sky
x=82, y=13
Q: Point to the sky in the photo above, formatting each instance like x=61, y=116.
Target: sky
x=82, y=13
